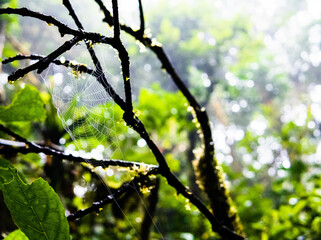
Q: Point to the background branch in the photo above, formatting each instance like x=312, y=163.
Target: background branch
x=149, y=213
x=24, y=146
x=97, y=206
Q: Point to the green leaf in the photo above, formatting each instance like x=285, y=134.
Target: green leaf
x=26, y=105
x=35, y=208
x=16, y=235
x=6, y=175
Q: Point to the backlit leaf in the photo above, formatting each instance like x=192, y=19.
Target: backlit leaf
x=26, y=105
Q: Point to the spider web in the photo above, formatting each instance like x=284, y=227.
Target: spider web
x=86, y=109
x=84, y=106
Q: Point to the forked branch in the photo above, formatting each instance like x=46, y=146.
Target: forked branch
x=208, y=173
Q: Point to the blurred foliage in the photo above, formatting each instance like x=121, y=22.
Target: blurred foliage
x=256, y=69
x=26, y=105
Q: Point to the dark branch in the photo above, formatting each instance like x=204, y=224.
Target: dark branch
x=124, y=61
x=72, y=13
x=9, y=147
x=173, y=181
x=116, y=19
x=24, y=146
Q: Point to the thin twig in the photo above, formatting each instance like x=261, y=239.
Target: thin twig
x=108, y=15
x=100, y=76
x=62, y=28
x=141, y=16
x=90, y=49
x=78, y=67
x=44, y=62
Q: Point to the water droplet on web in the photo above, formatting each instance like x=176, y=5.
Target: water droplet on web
x=67, y=89
x=69, y=122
